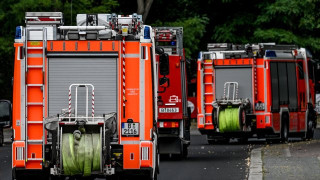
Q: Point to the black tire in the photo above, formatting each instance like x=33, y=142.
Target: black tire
x=310, y=130
x=243, y=140
x=13, y=176
x=211, y=141
x=284, y=130
x=1, y=136
x=51, y=177
x=185, y=151
x=155, y=177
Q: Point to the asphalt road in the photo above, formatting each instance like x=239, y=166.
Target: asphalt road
x=5, y=162
x=219, y=161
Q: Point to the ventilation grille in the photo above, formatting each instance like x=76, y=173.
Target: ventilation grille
x=144, y=153
x=19, y=153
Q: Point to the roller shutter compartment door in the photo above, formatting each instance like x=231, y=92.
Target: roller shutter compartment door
x=100, y=72
x=241, y=75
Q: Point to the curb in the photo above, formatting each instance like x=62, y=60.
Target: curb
x=255, y=169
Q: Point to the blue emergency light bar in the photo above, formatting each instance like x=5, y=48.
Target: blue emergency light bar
x=146, y=32
x=270, y=53
x=18, y=32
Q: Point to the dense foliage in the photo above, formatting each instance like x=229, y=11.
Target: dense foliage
x=234, y=21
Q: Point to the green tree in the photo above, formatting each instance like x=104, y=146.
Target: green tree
x=291, y=22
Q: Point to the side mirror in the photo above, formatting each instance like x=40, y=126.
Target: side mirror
x=5, y=113
x=164, y=64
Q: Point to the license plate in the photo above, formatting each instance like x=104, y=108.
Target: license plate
x=130, y=129
x=168, y=110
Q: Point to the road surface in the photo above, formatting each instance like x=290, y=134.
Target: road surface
x=204, y=162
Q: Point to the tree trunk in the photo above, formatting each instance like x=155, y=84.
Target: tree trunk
x=140, y=6
x=144, y=8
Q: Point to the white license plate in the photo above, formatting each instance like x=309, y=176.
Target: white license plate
x=168, y=110
x=130, y=129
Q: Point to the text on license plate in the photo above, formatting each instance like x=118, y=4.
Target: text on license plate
x=168, y=110
x=130, y=129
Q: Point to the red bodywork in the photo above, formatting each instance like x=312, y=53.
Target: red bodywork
x=261, y=91
x=172, y=95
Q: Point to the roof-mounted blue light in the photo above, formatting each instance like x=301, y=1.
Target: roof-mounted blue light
x=270, y=53
x=146, y=32
x=18, y=32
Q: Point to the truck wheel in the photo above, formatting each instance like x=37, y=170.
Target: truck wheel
x=284, y=132
x=185, y=151
x=310, y=130
x=211, y=141
x=243, y=140
x=1, y=136
x=155, y=177
x=51, y=177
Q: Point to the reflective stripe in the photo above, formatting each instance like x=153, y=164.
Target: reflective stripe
x=142, y=97
x=130, y=55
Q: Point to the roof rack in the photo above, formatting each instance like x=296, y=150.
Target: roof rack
x=44, y=18
x=170, y=39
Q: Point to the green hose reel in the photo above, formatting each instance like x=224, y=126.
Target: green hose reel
x=229, y=119
x=81, y=154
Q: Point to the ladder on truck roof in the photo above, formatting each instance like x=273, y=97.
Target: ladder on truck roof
x=34, y=90
x=208, y=81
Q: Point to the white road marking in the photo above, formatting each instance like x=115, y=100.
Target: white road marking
x=287, y=152
x=255, y=169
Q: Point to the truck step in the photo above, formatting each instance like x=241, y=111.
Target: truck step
x=35, y=48
x=34, y=103
x=35, y=66
x=34, y=85
x=34, y=122
x=209, y=93
x=35, y=141
x=34, y=159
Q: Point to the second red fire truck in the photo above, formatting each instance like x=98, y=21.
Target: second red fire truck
x=173, y=116
x=263, y=89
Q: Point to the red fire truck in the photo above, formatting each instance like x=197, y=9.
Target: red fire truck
x=84, y=97
x=263, y=89
x=173, y=118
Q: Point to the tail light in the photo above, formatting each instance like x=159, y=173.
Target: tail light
x=168, y=124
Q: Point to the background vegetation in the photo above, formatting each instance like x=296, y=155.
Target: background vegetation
x=233, y=21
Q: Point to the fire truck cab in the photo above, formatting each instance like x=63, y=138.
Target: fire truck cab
x=263, y=89
x=173, y=115
x=84, y=97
